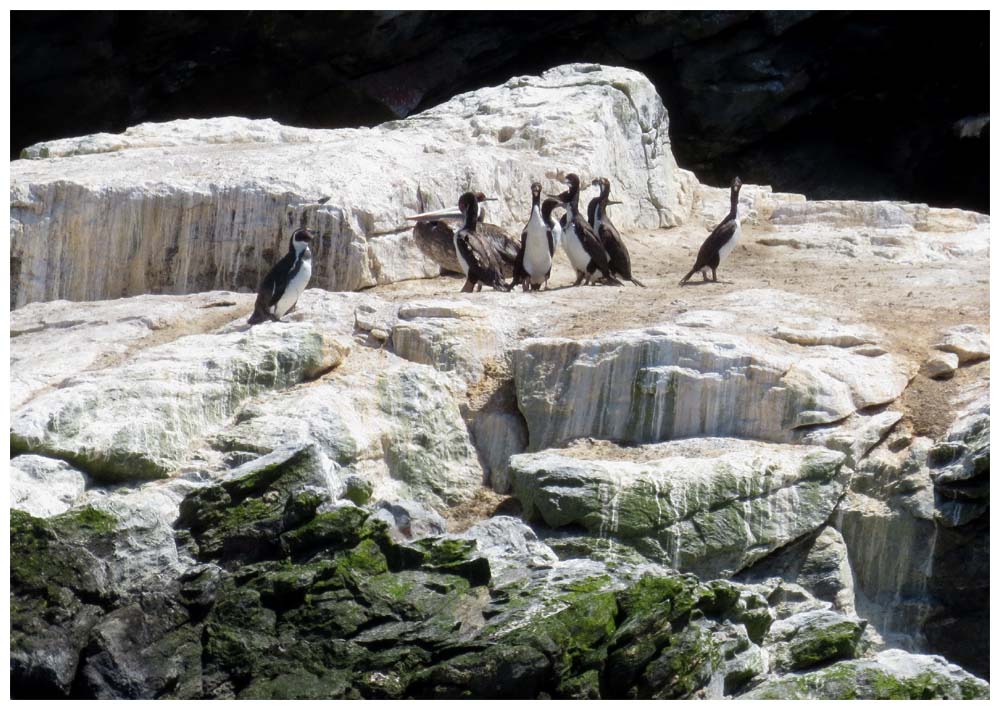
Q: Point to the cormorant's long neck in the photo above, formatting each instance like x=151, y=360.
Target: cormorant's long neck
x=536, y=200
x=547, y=208
x=734, y=203
x=574, y=201
x=472, y=216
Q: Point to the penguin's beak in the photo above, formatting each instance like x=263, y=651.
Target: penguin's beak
x=446, y=213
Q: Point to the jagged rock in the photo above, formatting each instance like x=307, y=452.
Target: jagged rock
x=940, y=365
x=44, y=487
x=969, y=342
x=226, y=193
x=711, y=506
x=813, y=638
x=855, y=436
x=916, y=528
x=512, y=548
x=657, y=384
x=891, y=675
x=138, y=419
x=819, y=563
x=393, y=423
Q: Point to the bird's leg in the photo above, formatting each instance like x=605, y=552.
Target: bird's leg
x=479, y=287
x=579, y=277
x=715, y=278
x=467, y=288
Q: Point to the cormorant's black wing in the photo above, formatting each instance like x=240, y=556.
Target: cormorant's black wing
x=618, y=256
x=722, y=233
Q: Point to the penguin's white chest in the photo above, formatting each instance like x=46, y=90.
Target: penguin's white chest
x=461, y=259
x=294, y=289
x=557, y=235
x=731, y=244
x=537, y=259
x=578, y=256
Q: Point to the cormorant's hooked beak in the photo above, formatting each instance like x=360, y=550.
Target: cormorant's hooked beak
x=446, y=213
x=615, y=202
x=489, y=199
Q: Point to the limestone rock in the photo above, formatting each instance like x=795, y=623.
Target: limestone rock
x=709, y=506
x=813, y=638
x=44, y=487
x=393, y=423
x=891, y=675
x=216, y=200
x=139, y=419
x=969, y=342
x=939, y=365
x=672, y=382
x=102, y=333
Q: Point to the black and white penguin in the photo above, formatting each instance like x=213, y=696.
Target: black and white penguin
x=281, y=288
x=611, y=240
x=721, y=241
x=534, y=259
x=581, y=243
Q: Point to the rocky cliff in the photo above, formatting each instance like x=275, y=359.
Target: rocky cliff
x=772, y=486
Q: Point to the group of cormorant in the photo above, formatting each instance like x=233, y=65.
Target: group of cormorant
x=487, y=255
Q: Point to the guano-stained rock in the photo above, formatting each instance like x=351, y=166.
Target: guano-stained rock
x=710, y=506
x=138, y=420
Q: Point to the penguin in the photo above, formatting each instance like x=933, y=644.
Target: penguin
x=281, y=288
x=618, y=257
x=534, y=259
x=721, y=241
x=476, y=256
x=581, y=243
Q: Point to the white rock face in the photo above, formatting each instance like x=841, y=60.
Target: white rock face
x=101, y=333
x=139, y=419
x=197, y=205
x=969, y=342
x=673, y=382
x=711, y=506
x=939, y=365
x=393, y=423
x=44, y=487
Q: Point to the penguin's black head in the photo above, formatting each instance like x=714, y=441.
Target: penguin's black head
x=737, y=184
x=573, y=182
x=602, y=184
x=303, y=235
x=536, y=189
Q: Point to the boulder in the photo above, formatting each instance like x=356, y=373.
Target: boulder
x=813, y=638
x=968, y=342
x=710, y=506
x=44, y=487
x=139, y=419
x=939, y=365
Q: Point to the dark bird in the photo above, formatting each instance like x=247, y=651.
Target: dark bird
x=721, y=241
x=582, y=245
x=618, y=257
x=436, y=238
x=281, y=288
